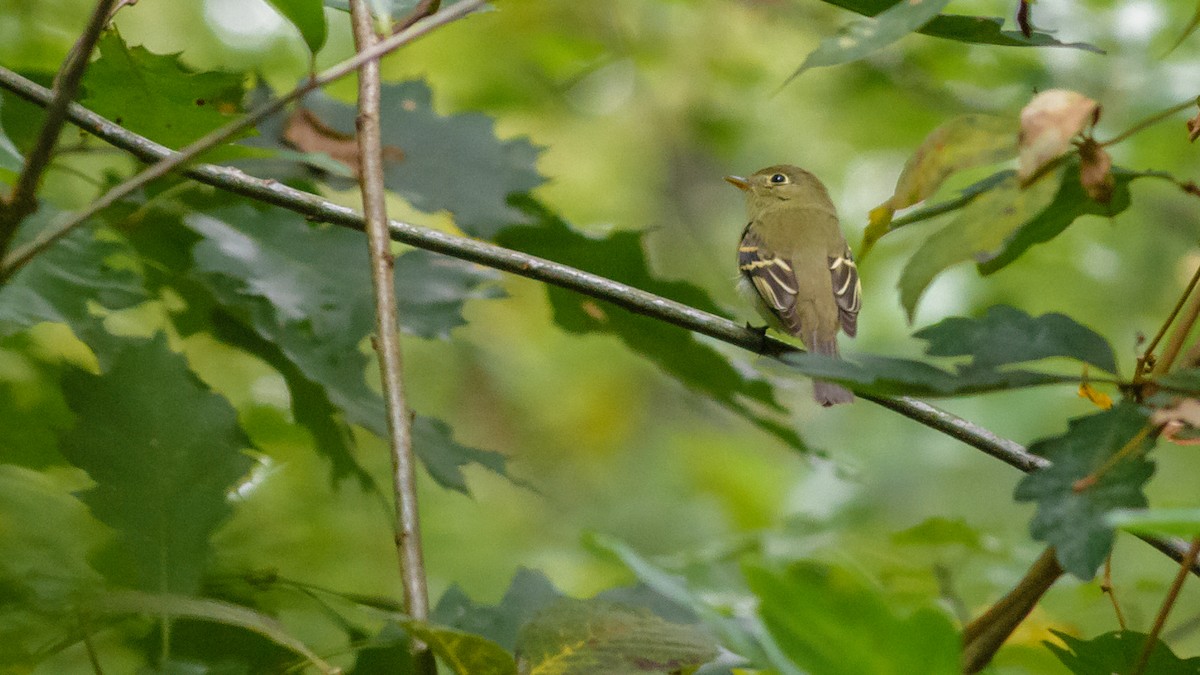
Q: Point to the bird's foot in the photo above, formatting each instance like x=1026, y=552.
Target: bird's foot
x=761, y=332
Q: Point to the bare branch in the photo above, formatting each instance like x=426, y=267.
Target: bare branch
x=23, y=200
x=387, y=329
x=635, y=300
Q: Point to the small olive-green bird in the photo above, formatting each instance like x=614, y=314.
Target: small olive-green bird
x=795, y=263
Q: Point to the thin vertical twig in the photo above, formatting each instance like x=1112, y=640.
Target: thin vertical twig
x=1148, y=353
x=23, y=199
x=387, y=333
x=1172, y=595
x=1106, y=587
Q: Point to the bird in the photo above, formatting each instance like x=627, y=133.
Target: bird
x=795, y=264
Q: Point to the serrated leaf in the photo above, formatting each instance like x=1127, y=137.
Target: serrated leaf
x=306, y=290
x=887, y=376
x=206, y=609
x=620, y=257
x=308, y=16
x=58, y=284
x=858, y=39
x=1118, y=652
x=1071, y=511
x=829, y=621
x=590, y=637
x=156, y=95
x=1005, y=335
x=528, y=593
x=1157, y=522
x=1071, y=202
x=453, y=162
x=163, y=450
x=979, y=231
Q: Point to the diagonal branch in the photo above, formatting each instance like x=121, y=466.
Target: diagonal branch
x=23, y=200
x=635, y=300
x=172, y=161
x=407, y=526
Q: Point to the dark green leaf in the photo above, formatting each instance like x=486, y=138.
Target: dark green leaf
x=979, y=231
x=1071, y=202
x=164, y=451
x=58, y=285
x=453, y=163
x=830, y=621
x=1007, y=335
x=620, y=257
x=528, y=593
x=969, y=29
x=860, y=38
x=1118, y=652
x=882, y=375
x=32, y=409
x=308, y=16
x=1071, y=516
x=157, y=96
x=592, y=637
x=389, y=653
x=305, y=290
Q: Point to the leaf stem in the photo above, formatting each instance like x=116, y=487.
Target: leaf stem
x=1132, y=445
x=1148, y=354
x=1184, y=327
x=23, y=199
x=632, y=299
x=1106, y=587
x=1168, y=602
x=407, y=525
x=1149, y=122
x=172, y=161
x=985, y=635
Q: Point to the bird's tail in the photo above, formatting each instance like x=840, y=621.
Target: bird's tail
x=827, y=393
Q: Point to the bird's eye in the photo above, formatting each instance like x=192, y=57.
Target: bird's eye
x=778, y=179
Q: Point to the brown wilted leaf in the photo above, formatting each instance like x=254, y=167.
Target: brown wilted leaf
x=1048, y=123
x=1179, y=422
x=1095, y=171
x=309, y=133
x=1193, y=127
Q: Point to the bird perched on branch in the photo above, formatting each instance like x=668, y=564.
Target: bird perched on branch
x=795, y=264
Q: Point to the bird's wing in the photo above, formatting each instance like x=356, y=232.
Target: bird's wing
x=847, y=290
x=773, y=278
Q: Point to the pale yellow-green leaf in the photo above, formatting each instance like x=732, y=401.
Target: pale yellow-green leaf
x=961, y=143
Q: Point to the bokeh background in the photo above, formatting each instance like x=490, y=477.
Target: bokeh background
x=641, y=106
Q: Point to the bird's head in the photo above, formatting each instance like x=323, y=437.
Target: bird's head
x=780, y=182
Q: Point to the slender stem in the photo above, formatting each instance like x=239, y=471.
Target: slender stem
x=1106, y=587
x=423, y=9
x=635, y=300
x=23, y=200
x=1168, y=602
x=984, y=636
x=1149, y=351
x=1149, y=122
x=1182, y=329
x=1131, y=446
x=173, y=161
x=407, y=526
x=89, y=644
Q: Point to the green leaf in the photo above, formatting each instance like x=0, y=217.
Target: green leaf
x=453, y=163
x=1006, y=335
x=939, y=531
x=962, y=143
x=1071, y=515
x=182, y=606
x=308, y=16
x=156, y=95
x=861, y=38
x=830, y=621
x=1118, y=652
x=163, y=450
x=45, y=534
x=464, y=653
x=1071, y=202
x=1157, y=522
x=887, y=376
x=528, y=593
x=620, y=257
x=59, y=285
x=305, y=290
x=969, y=29
x=979, y=231
x=591, y=637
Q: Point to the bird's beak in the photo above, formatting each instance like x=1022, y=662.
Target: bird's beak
x=738, y=182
